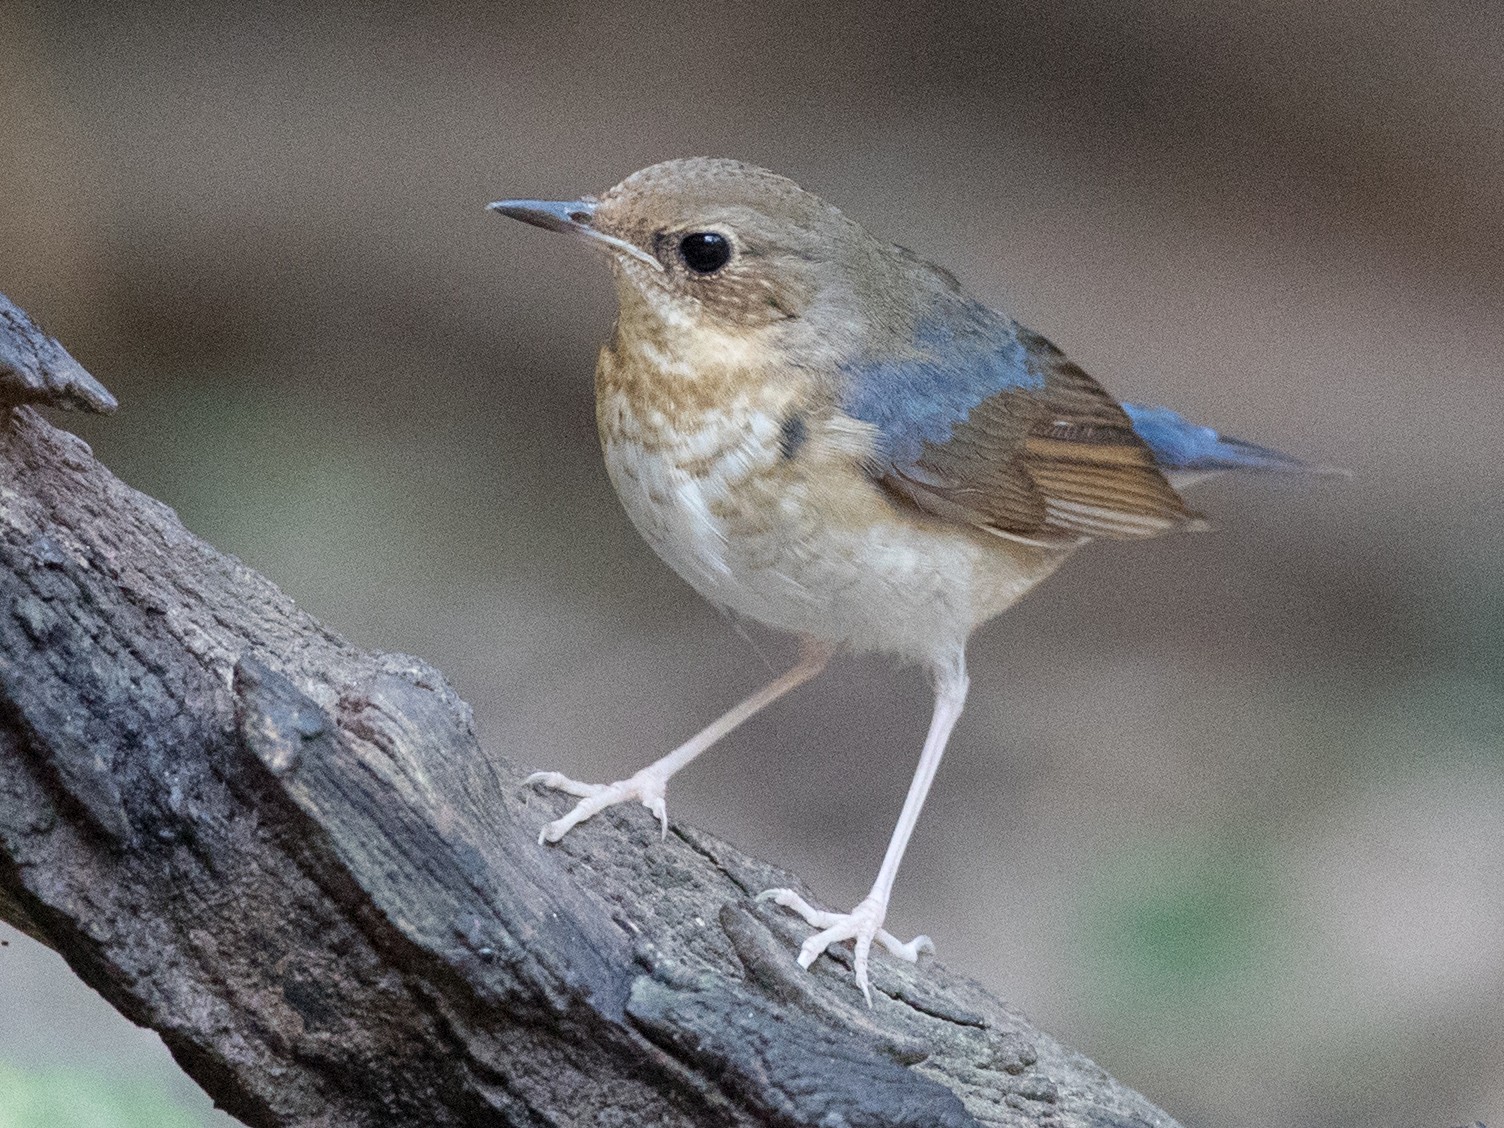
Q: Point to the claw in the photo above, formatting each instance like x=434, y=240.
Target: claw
x=659, y=808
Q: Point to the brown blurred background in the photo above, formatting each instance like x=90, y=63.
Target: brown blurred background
x=1226, y=812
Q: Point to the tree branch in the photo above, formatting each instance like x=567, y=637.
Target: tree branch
x=292, y=859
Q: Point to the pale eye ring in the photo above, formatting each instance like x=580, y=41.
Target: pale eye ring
x=705, y=252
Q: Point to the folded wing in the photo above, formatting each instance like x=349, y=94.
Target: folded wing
x=986, y=423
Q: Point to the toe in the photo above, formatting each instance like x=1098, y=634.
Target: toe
x=910, y=951
x=584, y=809
x=819, y=918
x=558, y=781
x=810, y=950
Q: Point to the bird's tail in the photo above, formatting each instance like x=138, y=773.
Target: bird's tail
x=1193, y=450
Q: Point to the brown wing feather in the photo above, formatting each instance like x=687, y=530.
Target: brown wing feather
x=1047, y=465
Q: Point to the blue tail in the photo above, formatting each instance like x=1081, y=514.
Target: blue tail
x=1179, y=444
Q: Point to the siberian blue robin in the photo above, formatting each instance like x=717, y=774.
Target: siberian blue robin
x=825, y=433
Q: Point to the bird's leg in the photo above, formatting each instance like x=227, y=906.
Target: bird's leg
x=864, y=924
x=647, y=785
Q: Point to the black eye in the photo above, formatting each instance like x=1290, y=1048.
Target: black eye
x=705, y=252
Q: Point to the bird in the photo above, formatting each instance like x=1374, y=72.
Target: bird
x=821, y=431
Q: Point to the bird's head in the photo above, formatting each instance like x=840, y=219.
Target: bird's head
x=707, y=246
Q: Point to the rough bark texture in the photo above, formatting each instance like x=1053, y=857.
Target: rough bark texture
x=292, y=859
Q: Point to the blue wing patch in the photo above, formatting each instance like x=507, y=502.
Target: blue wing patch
x=919, y=397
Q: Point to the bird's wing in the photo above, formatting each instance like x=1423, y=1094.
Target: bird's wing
x=991, y=425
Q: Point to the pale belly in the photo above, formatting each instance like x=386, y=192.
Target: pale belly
x=812, y=546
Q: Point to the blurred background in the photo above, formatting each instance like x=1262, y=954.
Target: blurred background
x=1226, y=811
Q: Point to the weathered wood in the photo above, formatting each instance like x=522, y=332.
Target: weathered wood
x=293, y=860
x=34, y=368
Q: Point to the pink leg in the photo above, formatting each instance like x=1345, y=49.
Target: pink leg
x=864, y=923
x=647, y=785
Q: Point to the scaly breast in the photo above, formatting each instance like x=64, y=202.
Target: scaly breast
x=679, y=455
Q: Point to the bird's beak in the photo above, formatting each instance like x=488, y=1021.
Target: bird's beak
x=573, y=217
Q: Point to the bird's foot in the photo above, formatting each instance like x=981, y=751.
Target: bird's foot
x=863, y=925
x=646, y=787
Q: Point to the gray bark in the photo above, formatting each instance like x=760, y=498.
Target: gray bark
x=292, y=859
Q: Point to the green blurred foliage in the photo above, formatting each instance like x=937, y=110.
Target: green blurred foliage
x=76, y=1098
x=1185, y=927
